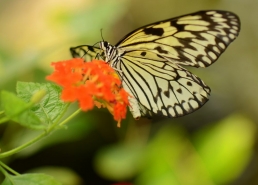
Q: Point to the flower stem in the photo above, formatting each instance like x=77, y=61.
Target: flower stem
x=4, y=171
x=63, y=122
x=42, y=135
x=19, y=148
x=70, y=117
x=8, y=168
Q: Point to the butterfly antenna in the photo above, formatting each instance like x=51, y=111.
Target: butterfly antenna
x=95, y=44
x=101, y=34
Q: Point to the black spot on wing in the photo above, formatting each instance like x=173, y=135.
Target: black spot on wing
x=160, y=50
x=179, y=27
x=155, y=98
x=143, y=53
x=91, y=48
x=179, y=91
x=153, y=31
x=166, y=93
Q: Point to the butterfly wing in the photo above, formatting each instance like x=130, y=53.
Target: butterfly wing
x=87, y=52
x=196, y=39
x=160, y=87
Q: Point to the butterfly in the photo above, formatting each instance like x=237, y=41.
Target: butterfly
x=150, y=60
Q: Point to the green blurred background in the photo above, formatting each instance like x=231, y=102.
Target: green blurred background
x=216, y=145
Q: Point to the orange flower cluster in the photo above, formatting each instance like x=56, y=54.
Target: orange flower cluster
x=91, y=83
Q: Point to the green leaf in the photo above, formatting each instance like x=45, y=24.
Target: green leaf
x=63, y=174
x=30, y=179
x=17, y=110
x=50, y=107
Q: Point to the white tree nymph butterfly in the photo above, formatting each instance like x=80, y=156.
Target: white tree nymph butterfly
x=149, y=60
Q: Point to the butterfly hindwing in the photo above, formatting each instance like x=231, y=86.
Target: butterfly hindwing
x=163, y=88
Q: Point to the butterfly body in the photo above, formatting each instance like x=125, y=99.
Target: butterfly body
x=149, y=61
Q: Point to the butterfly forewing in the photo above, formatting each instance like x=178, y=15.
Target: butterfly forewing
x=87, y=52
x=196, y=39
x=148, y=60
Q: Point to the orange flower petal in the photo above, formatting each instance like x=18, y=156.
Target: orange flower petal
x=91, y=83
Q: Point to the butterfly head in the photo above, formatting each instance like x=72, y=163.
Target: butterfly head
x=110, y=51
